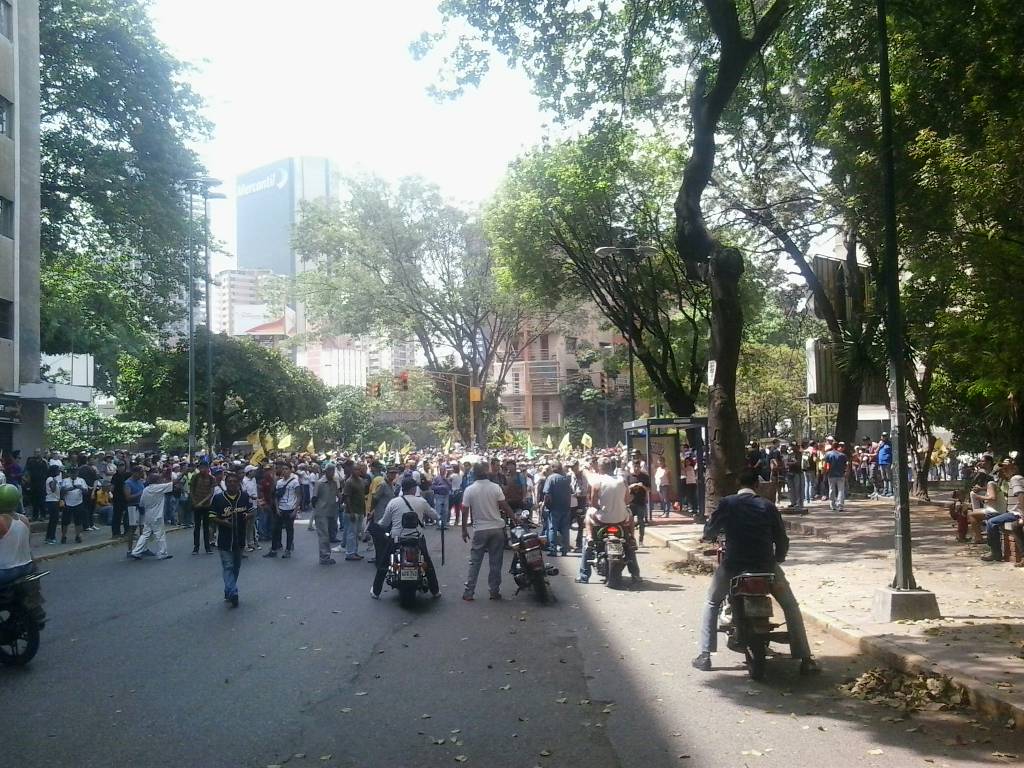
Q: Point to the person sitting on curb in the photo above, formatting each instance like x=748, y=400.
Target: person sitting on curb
x=755, y=541
x=987, y=499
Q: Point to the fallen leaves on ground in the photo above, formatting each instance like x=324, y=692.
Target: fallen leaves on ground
x=904, y=691
x=692, y=567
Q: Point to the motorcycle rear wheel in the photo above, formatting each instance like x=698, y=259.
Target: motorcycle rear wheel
x=756, y=652
x=19, y=635
x=407, y=595
x=615, y=574
x=540, y=588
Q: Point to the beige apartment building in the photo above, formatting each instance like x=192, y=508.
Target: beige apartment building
x=532, y=393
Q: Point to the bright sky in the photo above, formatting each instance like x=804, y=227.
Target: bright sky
x=335, y=78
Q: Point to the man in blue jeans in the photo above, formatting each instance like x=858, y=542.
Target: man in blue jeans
x=884, y=458
x=836, y=465
x=231, y=511
x=557, y=499
x=1014, y=511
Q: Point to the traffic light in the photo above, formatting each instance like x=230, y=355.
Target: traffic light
x=403, y=381
x=604, y=383
x=369, y=389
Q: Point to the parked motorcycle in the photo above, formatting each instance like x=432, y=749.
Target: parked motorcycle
x=611, y=549
x=750, y=628
x=22, y=618
x=528, y=569
x=408, y=570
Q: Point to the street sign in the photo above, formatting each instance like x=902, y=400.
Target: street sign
x=712, y=369
x=475, y=395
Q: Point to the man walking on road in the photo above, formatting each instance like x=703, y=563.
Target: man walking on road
x=200, y=492
x=354, y=494
x=485, y=502
x=288, y=492
x=558, y=500
x=151, y=507
x=231, y=513
x=325, y=508
x=756, y=541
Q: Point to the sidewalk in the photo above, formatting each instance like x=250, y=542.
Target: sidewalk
x=91, y=540
x=838, y=560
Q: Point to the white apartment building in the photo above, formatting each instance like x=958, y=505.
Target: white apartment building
x=238, y=303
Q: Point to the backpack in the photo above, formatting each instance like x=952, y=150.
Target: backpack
x=806, y=462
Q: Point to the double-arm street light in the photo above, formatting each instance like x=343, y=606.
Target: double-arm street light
x=201, y=186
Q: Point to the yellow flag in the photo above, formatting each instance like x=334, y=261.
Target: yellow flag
x=254, y=439
x=565, y=446
x=382, y=448
x=285, y=442
x=309, y=446
x=550, y=445
x=587, y=441
x=257, y=457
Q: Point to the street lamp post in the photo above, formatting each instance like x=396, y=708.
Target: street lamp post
x=190, y=263
x=903, y=599
x=202, y=185
x=628, y=254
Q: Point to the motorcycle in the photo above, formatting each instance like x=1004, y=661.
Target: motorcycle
x=750, y=629
x=22, y=618
x=611, y=546
x=528, y=569
x=407, y=571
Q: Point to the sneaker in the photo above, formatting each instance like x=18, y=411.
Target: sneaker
x=195, y=551
x=165, y=557
x=495, y=596
x=233, y=600
x=271, y=553
x=582, y=581
x=468, y=598
x=131, y=556
x=50, y=541
x=702, y=662
x=435, y=595
x=374, y=595
x=63, y=539
x=209, y=551
x=991, y=559
x=354, y=557
x=287, y=554
x=148, y=553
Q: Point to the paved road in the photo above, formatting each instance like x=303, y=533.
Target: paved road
x=143, y=664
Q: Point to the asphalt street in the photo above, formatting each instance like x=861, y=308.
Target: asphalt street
x=143, y=664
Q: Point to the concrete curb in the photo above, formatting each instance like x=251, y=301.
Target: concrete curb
x=887, y=651
x=45, y=556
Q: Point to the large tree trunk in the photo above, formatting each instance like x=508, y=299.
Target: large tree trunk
x=850, y=387
x=923, y=456
x=725, y=436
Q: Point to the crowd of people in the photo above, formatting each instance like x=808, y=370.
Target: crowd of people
x=354, y=503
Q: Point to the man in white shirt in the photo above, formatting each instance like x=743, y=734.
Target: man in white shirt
x=485, y=502
x=608, y=495
x=393, y=523
x=289, y=494
x=152, y=504
x=73, y=490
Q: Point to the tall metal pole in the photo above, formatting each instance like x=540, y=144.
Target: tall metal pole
x=455, y=408
x=904, y=578
x=209, y=326
x=191, y=260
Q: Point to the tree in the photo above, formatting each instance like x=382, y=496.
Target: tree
x=636, y=59
x=77, y=427
x=116, y=118
x=770, y=390
x=254, y=388
x=562, y=201
x=401, y=261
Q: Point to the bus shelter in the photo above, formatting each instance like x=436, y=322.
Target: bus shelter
x=663, y=438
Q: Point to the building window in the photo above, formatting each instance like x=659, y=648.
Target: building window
x=6, y=118
x=571, y=374
x=545, y=411
x=6, y=319
x=6, y=19
x=515, y=383
x=6, y=217
x=570, y=344
x=544, y=346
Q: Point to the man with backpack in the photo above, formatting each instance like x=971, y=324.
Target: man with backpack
x=793, y=461
x=404, y=515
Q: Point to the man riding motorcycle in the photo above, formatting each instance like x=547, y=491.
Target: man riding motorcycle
x=755, y=541
x=398, y=521
x=608, y=496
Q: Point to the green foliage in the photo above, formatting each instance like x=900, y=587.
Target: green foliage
x=586, y=409
x=117, y=117
x=560, y=202
x=254, y=388
x=74, y=427
x=173, y=435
